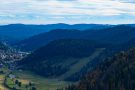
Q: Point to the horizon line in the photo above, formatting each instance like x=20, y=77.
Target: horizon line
x=66, y=24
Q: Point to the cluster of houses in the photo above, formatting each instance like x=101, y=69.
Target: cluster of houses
x=12, y=55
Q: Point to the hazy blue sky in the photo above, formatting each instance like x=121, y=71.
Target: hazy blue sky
x=67, y=11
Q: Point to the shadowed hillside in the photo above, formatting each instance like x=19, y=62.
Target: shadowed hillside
x=116, y=73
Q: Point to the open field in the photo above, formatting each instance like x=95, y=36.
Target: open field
x=40, y=82
x=2, y=78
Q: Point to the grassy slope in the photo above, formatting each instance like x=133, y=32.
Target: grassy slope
x=81, y=63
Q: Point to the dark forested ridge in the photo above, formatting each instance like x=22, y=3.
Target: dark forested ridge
x=15, y=32
x=115, y=35
x=116, y=73
x=52, y=59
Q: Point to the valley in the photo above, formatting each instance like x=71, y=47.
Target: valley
x=9, y=74
x=61, y=58
x=67, y=45
x=41, y=83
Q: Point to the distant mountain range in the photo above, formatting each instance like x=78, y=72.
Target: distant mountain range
x=14, y=32
x=113, y=35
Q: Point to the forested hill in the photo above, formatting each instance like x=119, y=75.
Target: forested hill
x=116, y=73
x=58, y=56
x=114, y=35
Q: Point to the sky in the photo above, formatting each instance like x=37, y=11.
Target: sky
x=67, y=11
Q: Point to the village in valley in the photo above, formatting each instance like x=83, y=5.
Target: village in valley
x=8, y=78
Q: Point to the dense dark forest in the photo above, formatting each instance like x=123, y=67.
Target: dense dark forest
x=116, y=73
